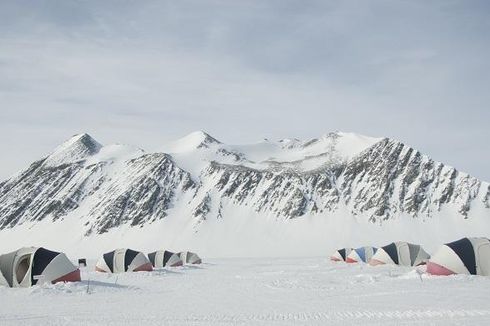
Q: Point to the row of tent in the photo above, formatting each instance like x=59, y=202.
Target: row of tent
x=396, y=253
x=28, y=266
x=465, y=256
x=127, y=260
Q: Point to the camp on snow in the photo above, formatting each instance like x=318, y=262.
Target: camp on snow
x=164, y=258
x=189, y=257
x=340, y=254
x=123, y=260
x=464, y=256
x=362, y=254
x=29, y=266
x=400, y=253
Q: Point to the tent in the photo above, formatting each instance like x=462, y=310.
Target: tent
x=164, y=258
x=400, y=253
x=123, y=260
x=465, y=256
x=341, y=254
x=28, y=266
x=189, y=257
x=362, y=254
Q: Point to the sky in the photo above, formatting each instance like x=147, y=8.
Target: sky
x=145, y=72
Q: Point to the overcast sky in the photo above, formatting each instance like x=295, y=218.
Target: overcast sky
x=143, y=72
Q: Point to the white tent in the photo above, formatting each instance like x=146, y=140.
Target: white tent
x=3, y=280
x=362, y=254
x=123, y=260
x=28, y=266
x=340, y=254
x=464, y=256
x=189, y=257
x=164, y=258
x=400, y=253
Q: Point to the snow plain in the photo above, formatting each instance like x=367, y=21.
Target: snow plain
x=255, y=291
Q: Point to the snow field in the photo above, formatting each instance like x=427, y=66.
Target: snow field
x=258, y=291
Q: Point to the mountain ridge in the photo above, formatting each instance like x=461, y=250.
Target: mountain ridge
x=104, y=188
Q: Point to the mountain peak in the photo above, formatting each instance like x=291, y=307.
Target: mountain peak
x=192, y=141
x=202, y=137
x=86, y=140
x=78, y=147
x=357, y=178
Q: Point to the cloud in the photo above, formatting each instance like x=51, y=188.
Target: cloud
x=142, y=72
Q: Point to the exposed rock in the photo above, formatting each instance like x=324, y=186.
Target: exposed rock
x=386, y=180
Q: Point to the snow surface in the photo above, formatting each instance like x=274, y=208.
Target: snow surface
x=243, y=234
x=307, y=155
x=194, y=151
x=190, y=142
x=265, y=291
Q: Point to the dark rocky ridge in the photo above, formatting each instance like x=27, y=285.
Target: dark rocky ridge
x=387, y=180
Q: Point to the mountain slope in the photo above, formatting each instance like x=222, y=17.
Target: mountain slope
x=92, y=189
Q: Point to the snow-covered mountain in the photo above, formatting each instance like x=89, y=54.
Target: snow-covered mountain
x=196, y=185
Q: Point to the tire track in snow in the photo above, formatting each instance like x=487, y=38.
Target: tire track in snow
x=364, y=316
x=336, y=316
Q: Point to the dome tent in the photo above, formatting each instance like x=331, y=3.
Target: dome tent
x=400, y=253
x=3, y=280
x=123, y=260
x=362, y=254
x=464, y=256
x=164, y=258
x=27, y=266
x=189, y=257
x=341, y=254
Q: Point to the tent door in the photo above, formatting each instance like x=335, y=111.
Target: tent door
x=483, y=259
x=119, y=261
x=22, y=267
x=404, y=255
